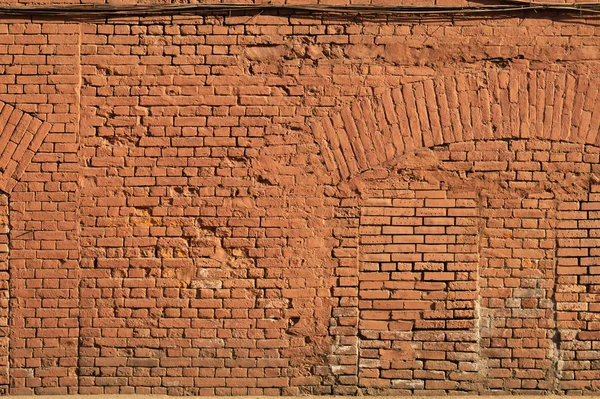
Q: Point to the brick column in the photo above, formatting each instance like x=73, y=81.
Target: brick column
x=4, y=295
x=577, y=301
x=344, y=323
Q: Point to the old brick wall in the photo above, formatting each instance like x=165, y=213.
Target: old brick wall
x=288, y=203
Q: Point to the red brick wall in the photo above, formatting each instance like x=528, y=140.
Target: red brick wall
x=287, y=204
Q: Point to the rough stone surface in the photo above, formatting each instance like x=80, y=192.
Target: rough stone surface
x=257, y=204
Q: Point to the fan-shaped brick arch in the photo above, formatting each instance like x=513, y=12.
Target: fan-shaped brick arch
x=556, y=106
x=21, y=135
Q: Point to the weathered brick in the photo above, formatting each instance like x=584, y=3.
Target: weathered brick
x=252, y=207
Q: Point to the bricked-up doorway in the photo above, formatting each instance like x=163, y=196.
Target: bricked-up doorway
x=417, y=287
x=476, y=269
x=522, y=159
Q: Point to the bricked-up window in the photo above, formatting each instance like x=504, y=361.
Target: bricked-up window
x=417, y=280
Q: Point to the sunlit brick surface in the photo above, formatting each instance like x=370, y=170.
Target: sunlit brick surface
x=280, y=203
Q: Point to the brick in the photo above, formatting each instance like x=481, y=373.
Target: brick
x=199, y=208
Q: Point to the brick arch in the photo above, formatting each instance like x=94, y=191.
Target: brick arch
x=495, y=104
x=21, y=135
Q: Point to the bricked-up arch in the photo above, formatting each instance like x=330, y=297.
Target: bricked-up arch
x=21, y=135
x=485, y=111
x=495, y=104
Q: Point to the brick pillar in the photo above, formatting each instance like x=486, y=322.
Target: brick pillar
x=344, y=323
x=577, y=294
x=517, y=287
x=44, y=236
x=4, y=295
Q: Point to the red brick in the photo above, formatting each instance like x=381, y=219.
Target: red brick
x=218, y=206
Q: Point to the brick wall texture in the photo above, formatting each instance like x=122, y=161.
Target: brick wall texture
x=291, y=203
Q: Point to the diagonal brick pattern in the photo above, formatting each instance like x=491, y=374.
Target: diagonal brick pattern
x=21, y=135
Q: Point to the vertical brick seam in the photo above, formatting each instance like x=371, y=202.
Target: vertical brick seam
x=4, y=296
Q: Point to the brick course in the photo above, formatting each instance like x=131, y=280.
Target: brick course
x=258, y=204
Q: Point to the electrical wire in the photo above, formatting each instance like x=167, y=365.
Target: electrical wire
x=108, y=11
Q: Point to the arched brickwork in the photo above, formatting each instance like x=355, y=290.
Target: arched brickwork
x=21, y=135
x=505, y=238
x=557, y=106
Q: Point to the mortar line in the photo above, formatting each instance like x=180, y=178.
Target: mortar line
x=556, y=339
x=8, y=305
x=357, y=329
x=78, y=201
x=477, y=312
